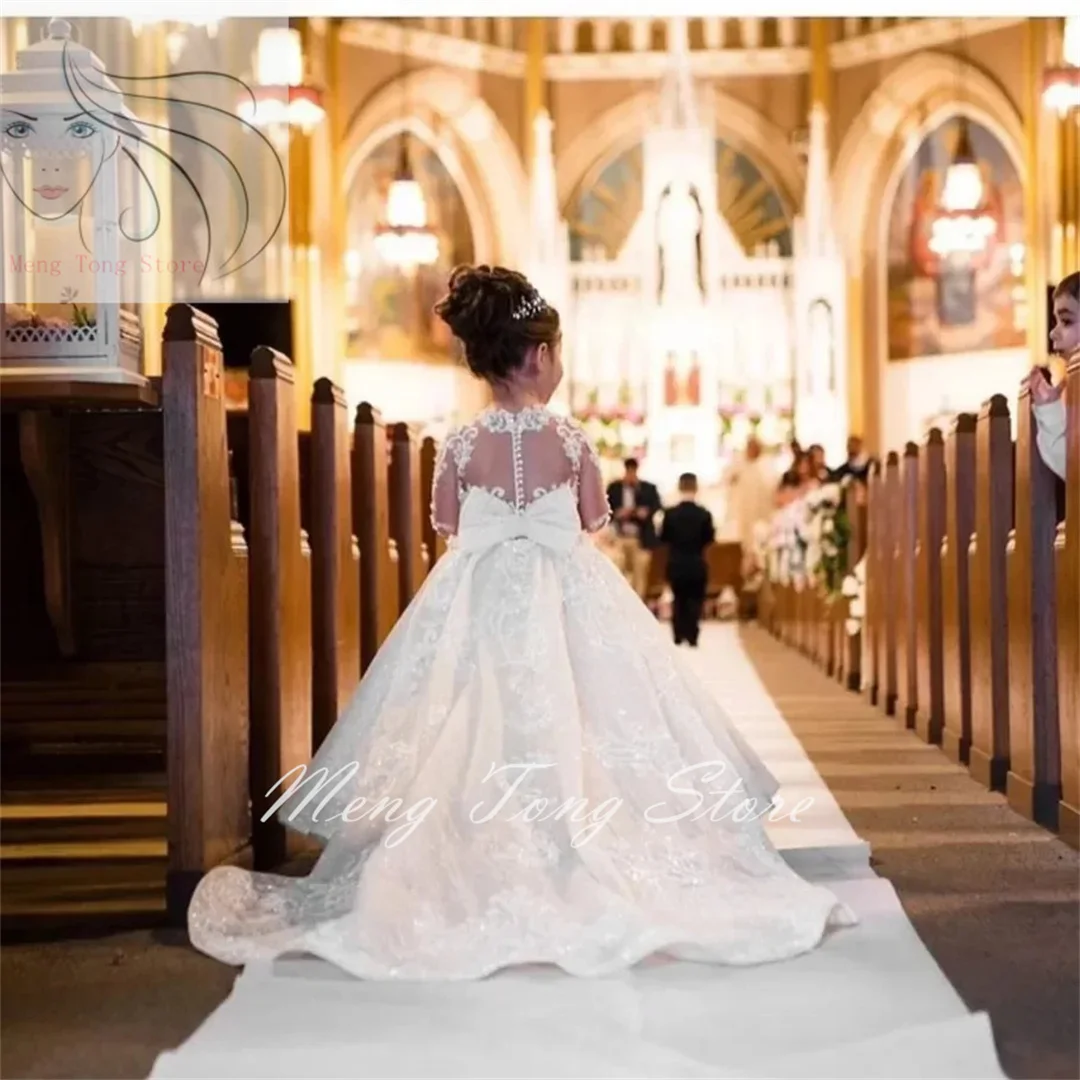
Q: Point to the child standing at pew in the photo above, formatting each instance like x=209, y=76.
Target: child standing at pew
x=687, y=531
x=1047, y=402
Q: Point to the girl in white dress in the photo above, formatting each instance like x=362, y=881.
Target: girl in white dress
x=527, y=773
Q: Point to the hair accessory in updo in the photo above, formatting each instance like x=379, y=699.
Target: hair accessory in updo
x=530, y=307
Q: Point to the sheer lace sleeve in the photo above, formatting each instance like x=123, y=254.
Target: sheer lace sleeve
x=445, y=497
x=592, y=495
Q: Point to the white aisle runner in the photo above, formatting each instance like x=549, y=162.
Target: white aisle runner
x=870, y=1002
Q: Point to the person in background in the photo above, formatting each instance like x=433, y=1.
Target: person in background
x=796, y=451
x=752, y=499
x=687, y=531
x=788, y=490
x=634, y=503
x=857, y=465
x=807, y=477
x=815, y=456
x=1047, y=402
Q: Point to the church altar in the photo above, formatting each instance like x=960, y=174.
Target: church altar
x=682, y=344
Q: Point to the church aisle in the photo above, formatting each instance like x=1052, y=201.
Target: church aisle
x=991, y=897
x=995, y=898
x=870, y=1002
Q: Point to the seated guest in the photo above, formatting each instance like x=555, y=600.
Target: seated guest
x=687, y=531
x=1047, y=402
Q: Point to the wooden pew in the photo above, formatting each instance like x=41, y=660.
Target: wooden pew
x=206, y=623
x=371, y=522
x=874, y=623
x=1033, y=784
x=850, y=646
x=280, y=599
x=955, y=588
x=433, y=542
x=802, y=617
x=406, y=503
x=335, y=562
x=989, y=756
x=890, y=576
x=928, y=602
x=1068, y=600
x=723, y=560
x=907, y=589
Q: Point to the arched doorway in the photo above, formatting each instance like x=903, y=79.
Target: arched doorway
x=885, y=149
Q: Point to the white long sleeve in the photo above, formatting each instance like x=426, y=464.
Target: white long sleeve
x=1050, y=437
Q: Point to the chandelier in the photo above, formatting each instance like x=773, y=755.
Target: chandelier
x=403, y=238
x=1061, y=85
x=964, y=224
x=282, y=98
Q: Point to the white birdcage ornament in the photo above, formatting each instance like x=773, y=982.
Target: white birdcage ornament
x=69, y=286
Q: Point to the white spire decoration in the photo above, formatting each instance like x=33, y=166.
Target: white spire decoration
x=547, y=252
x=678, y=103
x=821, y=305
x=547, y=227
x=817, y=208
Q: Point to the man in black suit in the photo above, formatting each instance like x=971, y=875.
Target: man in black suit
x=687, y=530
x=634, y=503
x=857, y=465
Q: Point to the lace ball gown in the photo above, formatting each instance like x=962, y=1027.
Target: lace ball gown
x=527, y=769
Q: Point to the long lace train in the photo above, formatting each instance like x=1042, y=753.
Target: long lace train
x=538, y=728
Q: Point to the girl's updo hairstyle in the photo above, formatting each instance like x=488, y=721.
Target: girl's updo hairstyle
x=498, y=316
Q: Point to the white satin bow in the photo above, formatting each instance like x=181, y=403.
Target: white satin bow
x=550, y=521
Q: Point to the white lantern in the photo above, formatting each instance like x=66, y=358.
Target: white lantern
x=69, y=287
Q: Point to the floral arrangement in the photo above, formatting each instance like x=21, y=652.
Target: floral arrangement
x=826, y=531
x=808, y=541
x=785, y=548
x=616, y=431
x=854, y=588
x=760, y=540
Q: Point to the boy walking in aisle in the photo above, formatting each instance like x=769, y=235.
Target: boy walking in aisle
x=687, y=531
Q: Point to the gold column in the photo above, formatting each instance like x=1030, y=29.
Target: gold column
x=14, y=35
x=1065, y=255
x=1035, y=261
x=1069, y=141
x=820, y=69
x=535, y=86
x=821, y=93
x=152, y=60
x=338, y=241
x=300, y=255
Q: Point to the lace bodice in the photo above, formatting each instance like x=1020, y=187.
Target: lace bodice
x=517, y=457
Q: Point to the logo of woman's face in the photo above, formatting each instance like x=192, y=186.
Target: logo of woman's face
x=65, y=155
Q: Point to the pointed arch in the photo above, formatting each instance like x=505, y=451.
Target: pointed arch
x=621, y=127
x=447, y=112
x=911, y=101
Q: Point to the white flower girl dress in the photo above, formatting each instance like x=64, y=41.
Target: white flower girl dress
x=527, y=773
